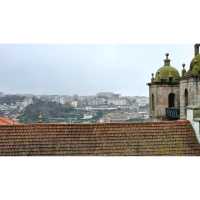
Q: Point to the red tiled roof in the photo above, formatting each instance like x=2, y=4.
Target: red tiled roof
x=7, y=121
x=140, y=139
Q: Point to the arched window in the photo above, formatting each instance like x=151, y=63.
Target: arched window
x=171, y=100
x=186, y=97
x=152, y=102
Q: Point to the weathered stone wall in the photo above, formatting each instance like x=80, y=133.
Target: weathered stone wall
x=161, y=93
x=193, y=87
x=193, y=114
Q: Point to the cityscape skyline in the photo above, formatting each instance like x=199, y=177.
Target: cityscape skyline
x=43, y=69
x=70, y=95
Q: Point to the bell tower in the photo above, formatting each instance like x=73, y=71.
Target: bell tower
x=164, y=92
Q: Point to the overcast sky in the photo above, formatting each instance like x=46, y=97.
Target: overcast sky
x=84, y=69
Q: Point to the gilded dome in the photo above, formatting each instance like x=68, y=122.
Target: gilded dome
x=167, y=73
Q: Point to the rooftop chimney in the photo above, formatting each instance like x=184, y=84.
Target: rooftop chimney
x=196, y=49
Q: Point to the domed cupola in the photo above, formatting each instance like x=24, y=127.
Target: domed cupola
x=195, y=63
x=167, y=73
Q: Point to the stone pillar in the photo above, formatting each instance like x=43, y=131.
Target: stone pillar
x=182, y=101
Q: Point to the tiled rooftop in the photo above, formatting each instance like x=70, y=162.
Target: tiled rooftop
x=140, y=139
x=6, y=121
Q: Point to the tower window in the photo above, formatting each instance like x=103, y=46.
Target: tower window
x=171, y=100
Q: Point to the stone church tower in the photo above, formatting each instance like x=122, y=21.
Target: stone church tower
x=190, y=84
x=164, y=93
x=171, y=94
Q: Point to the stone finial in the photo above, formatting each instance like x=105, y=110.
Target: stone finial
x=152, y=77
x=196, y=49
x=158, y=75
x=183, y=70
x=167, y=60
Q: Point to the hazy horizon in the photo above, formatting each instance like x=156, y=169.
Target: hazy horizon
x=68, y=69
x=34, y=94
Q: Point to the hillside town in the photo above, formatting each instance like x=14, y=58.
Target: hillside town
x=103, y=107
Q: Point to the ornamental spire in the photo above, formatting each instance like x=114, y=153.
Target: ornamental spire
x=183, y=70
x=196, y=49
x=167, y=60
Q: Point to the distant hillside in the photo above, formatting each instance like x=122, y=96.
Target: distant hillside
x=43, y=110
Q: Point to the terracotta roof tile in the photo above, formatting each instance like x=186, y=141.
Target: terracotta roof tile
x=140, y=139
x=7, y=121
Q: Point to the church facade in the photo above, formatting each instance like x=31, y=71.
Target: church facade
x=170, y=93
